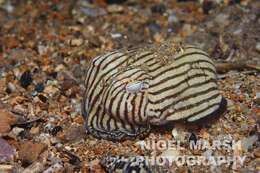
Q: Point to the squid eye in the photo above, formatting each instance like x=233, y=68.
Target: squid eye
x=136, y=86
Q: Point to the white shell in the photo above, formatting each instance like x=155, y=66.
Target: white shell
x=135, y=86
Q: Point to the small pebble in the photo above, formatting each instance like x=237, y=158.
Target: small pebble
x=74, y=160
x=68, y=148
x=42, y=98
x=34, y=93
x=54, y=74
x=42, y=49
x=7, y=119
x=51, y=90
x=20, y=109
x=7, y=152
x=76, y=42
x=116, y=35
x=55, y=130
x=30, y=151
x=39, y=87
x=52, y=82
x=35, y=130
x=26, y=79
x=115, y=9
x=73, y=133
x=77, y=71
x=11, y=87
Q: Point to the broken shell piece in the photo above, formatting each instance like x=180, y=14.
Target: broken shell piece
x=136, y=86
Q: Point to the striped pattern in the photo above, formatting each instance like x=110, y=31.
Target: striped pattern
x=129, y=90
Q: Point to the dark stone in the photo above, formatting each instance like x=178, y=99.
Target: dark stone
x=74, y=160
x=53, y=74
x=42, y=98
x=26, y=79
x=55, y=130
x=39, y=87
x=159, y=8
x=8, y=90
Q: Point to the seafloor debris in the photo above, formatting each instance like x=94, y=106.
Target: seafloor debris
x=7, y=152
x=45, y=48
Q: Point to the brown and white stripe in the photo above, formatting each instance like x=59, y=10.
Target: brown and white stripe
x=129, y=90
